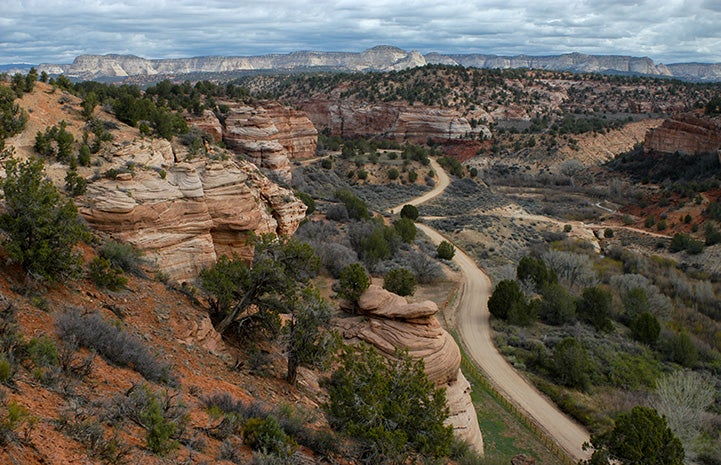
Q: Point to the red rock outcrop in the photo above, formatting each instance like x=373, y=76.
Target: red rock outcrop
x=686, y=134
x=388, y=322
x=391, y=121
x=183, y=215
x=270, y=135
x=209, y=123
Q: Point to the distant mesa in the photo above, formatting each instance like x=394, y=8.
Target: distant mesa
x=380, y=58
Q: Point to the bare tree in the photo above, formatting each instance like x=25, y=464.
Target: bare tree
x=573, y=268
x=683, y=397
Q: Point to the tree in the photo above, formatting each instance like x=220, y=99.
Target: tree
x=354, y=280
x=534, y=270
x=594, y=307
x=357, y=209
x=409, y=211
x=400, y=281
x=42, y=228
x=309, y=341
x=445, y=250
x=557, y=307
x=89, y=103
x=635, y=302
x=683, y=398
x=406, y=229
x=506, y=294
x=389, y=404
x=571, y=364
x=251, y=296
x=12, y=117
x=640, y=437
x=645, y=328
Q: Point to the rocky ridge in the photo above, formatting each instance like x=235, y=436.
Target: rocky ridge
x=381, y=58
x=388, y=322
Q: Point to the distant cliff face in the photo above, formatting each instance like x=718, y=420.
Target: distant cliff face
x=685, y=134
x=381, y=58
x=391, y=121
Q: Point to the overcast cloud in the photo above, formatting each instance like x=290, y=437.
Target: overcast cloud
x=54, y=31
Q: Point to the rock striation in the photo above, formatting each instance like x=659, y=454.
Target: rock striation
x=390, y=121
x=184, y=214
x=270, y=135
x=388, y=322
x=686, y=134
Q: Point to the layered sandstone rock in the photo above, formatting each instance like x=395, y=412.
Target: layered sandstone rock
x=183, y=215
x=390, y=121
x=389, y=322
x=685, y=134
x=270, y=135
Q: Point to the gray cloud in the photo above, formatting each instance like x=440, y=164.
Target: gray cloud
x=58, y=30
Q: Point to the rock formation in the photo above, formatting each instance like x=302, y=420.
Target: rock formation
x=388, y=321
x=268, y=134
x=390, y=121
x=183, y=215
x=381, y=58
x=685, y=134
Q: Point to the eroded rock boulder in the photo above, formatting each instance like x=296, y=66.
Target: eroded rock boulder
x=388, y=322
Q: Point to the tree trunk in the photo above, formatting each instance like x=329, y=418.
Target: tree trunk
x=292, y=369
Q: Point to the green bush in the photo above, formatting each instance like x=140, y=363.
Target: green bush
x=393, y=173
x=571, y=364
x=594, y=307
x=308, y=201
x=406, y=229
x=679, y=348
x=557, y=307
x=354, y=280
x=267, y=436
x=409, y=211
x=104, y=274
x=506, y=295
x=357, y=209
x=645, y=328
x=159, y=429
x=445, y=250
x=400, y=281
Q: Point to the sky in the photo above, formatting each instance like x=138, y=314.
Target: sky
x=56, y=31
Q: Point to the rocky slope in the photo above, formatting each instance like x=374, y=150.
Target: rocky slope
x=381, y=58
x=388, y=321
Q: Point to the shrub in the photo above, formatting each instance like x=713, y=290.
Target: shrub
x=506, y=294
x=114, y=344
x=42, y=230
x=557, y=307
x=594, y=307
x=354, y=280
x=124, y=256
x=160, y=430
x=406, y=229
x=393, y=173
x=679, y=348
x=409, y=211
x=326, y=163
x=308, y=201
x=266, y=435
x=445, y=250
x=400, y=281
x=389, y=404
x=608, y=233
x=105, y=275
x=571, y=364
x=337, y=212
x=645, y=328
x=426, y=269
x=357, y=209
x=534, y=270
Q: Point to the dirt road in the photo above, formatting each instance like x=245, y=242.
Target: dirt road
x=443, y=182
x=473, y=324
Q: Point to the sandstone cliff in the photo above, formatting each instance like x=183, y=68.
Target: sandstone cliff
x=381, y=58
x=267, y=133
x=270, y=135
x=184, y=214
x=388, y=321
x=686, y=134
x=390, y=121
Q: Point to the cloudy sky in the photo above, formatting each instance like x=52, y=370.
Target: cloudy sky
x=56, y=31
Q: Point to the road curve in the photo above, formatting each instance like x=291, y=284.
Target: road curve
x=474, y=330
x=443, y=182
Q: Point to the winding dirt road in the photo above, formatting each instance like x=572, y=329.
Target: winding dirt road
x=474, y=329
